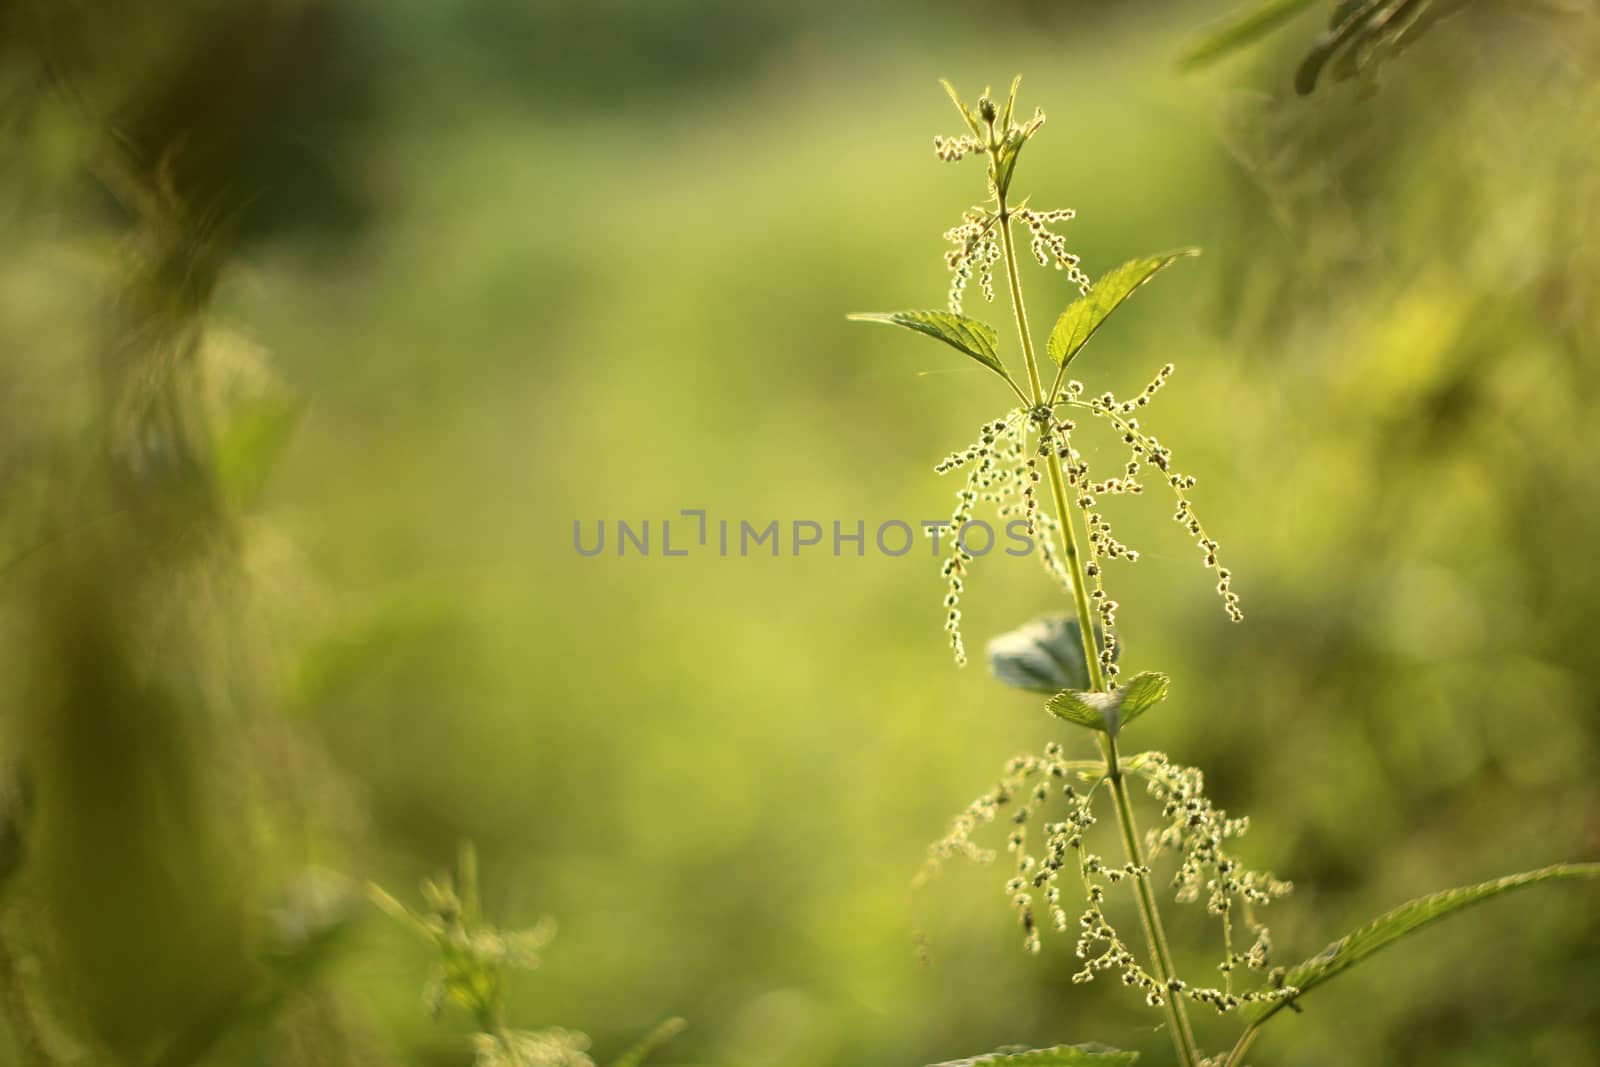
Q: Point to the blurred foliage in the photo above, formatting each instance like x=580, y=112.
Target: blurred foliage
x=1361, y=34
x=320, y=323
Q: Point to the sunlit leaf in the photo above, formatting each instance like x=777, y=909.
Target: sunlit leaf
x=973, y=123
x=1110, y=712
x=1059, y=1056
x=1407, y=919
x=1011, y=104
x=1079, y=322
x=976, y=339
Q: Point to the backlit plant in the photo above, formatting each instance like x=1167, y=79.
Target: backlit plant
x=473, y=973
x=1052, y=801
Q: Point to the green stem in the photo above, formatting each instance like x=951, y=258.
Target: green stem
x=1058, y=489
x=1236, y=1057
x=1149, y=915
x=1019, y=312
x=1080, y=595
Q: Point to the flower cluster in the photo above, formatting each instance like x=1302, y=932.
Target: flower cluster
x=1144, y=450
x=996, y=465
x=1027, y=785
x=531, y=1048
x=954, y=149
x=1194, y=831
x=974, y=248
x=1050, y=248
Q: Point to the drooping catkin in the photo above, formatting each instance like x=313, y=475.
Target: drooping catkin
x=994, y=465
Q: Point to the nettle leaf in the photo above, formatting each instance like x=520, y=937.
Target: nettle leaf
x=1011, y=104
x=1110, y=712
x=1044, y=656
x=1079, y=322
x=1242, y=29
x=976, y=339
x=1059, y=1056
x=1407, y=919
x=973, y=122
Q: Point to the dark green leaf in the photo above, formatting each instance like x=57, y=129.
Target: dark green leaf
x=970, y=336
x=1408, y=919
x=1059, y=1056
x=1364, y=32
x=1044, y=656
x=1079, y=322
x=1110, y=712
x=1242, y=29
x=1350, y=19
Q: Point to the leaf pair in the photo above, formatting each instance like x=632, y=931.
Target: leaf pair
x=1047, y=656
x=1072, y=330
x=1110, y=712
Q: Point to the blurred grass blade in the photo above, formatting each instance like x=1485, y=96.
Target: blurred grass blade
x=1079, y=322
x=1059, y=1056
x=1407, y=919
x=970, y=336
x=1240, y=30
x=1110, y=712
x=652, y=1041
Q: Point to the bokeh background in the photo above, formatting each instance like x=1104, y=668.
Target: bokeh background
x=322, y=321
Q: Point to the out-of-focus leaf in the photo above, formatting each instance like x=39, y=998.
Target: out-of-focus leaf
x=652, y=1041
x=1362, y=32
x=1044, y=656
x=16, y=804
x=1110, y=712
x=1241, y=29
x=1407, y=919
x=1059, y=1056
x=249, y=445
x=976, y=339
x=1079, y=322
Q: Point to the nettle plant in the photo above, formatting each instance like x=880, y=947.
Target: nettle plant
x=475, y=961
x=1051, y=801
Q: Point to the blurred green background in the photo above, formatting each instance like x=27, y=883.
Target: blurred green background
x=322, y=321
